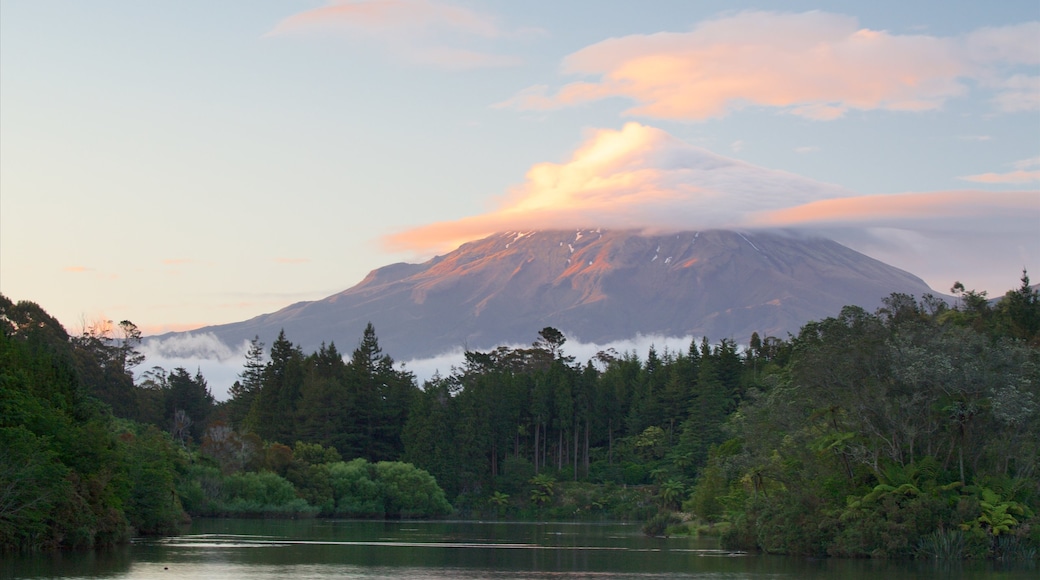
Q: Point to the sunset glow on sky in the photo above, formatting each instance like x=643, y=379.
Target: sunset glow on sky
x=181, y=164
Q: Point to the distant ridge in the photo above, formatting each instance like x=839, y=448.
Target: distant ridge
x=596, y=286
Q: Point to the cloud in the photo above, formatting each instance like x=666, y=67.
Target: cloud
x=1025, y=163
x=940, y=207
x=643, y=178
x=201, y=345
x=806, y=149
x=176, y=261
x=1021, y=174
x=443, y=364
x=426, y=32
x=1020, y=93
x=219, y=363
x=815, y=65
x=1017, y=176
x=77, y=269
x=291, y=260
x=637, y=177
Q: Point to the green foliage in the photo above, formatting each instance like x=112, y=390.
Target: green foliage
x=385, y=489
x=153, y=506
x=355, y=492
x=70, y=475
x=314, y=453
x=997, y=515
x=200, y=489
x=261, y=493
x=543, y=486
x=409, y=492
x=881, y=434
x=33, y=483
x=658, y=525
x=705, y=499
x=672, y=492
x=942, y=545
x=516, y=472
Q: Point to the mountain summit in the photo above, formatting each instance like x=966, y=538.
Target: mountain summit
x=595, y=286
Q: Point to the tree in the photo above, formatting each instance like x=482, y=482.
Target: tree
x=245, y=390
x=1018, y=312
x=551, y=340
x=126, y=354
x=325, y=411
x=273, y=413
x=102, y=366
x=188, y=404
x=381, y=398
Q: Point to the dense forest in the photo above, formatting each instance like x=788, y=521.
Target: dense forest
x=910, y=431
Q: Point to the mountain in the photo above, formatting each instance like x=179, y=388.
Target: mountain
x=595, y=286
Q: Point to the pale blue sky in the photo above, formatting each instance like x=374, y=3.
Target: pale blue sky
x=189, y=163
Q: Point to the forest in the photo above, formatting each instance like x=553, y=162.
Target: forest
x=912, y=431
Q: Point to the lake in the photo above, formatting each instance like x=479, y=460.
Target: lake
x=319, y=548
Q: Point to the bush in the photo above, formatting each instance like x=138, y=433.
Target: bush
x=354, y=492
x=889, y=527
x=200, y=489
x=942, y=545
x=516, y=471
x=262, y=493
x=385, y=489
x=659, y=523
x=410, y=491
x=788, y=524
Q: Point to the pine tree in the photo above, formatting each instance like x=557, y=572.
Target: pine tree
x=245, y=390
x=274, y=408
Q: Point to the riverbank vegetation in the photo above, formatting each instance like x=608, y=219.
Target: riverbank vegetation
x=913, y=431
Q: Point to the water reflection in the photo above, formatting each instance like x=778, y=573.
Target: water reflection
x=261, y=549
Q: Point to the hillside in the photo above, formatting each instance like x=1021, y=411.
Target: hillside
x=596, y=286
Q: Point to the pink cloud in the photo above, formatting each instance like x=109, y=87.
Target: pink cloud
x=638, y=177
x=420, y=31
x=390, y=16
x=892, y=209
x=815, y=65
x=77, y=269
x=1017, y=176
x=1021, y=174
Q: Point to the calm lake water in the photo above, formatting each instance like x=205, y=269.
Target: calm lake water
x=305, y=549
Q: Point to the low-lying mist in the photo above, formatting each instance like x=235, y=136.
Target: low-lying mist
x=221, y=364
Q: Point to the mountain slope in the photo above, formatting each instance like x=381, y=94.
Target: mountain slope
x=596, y=286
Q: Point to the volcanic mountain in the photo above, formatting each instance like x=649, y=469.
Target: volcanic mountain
x=595, y=286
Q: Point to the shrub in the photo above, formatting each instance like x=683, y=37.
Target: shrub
x=387, y=488
x=658, y=524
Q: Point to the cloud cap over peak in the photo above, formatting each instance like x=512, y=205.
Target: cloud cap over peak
x=638, y=177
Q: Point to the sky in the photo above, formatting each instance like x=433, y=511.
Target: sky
x=181, y=164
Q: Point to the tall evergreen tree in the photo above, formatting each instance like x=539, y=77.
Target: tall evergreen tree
x=245, y=390
x=274, y=409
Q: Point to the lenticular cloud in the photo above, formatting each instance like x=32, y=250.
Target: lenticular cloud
x=638, y=177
